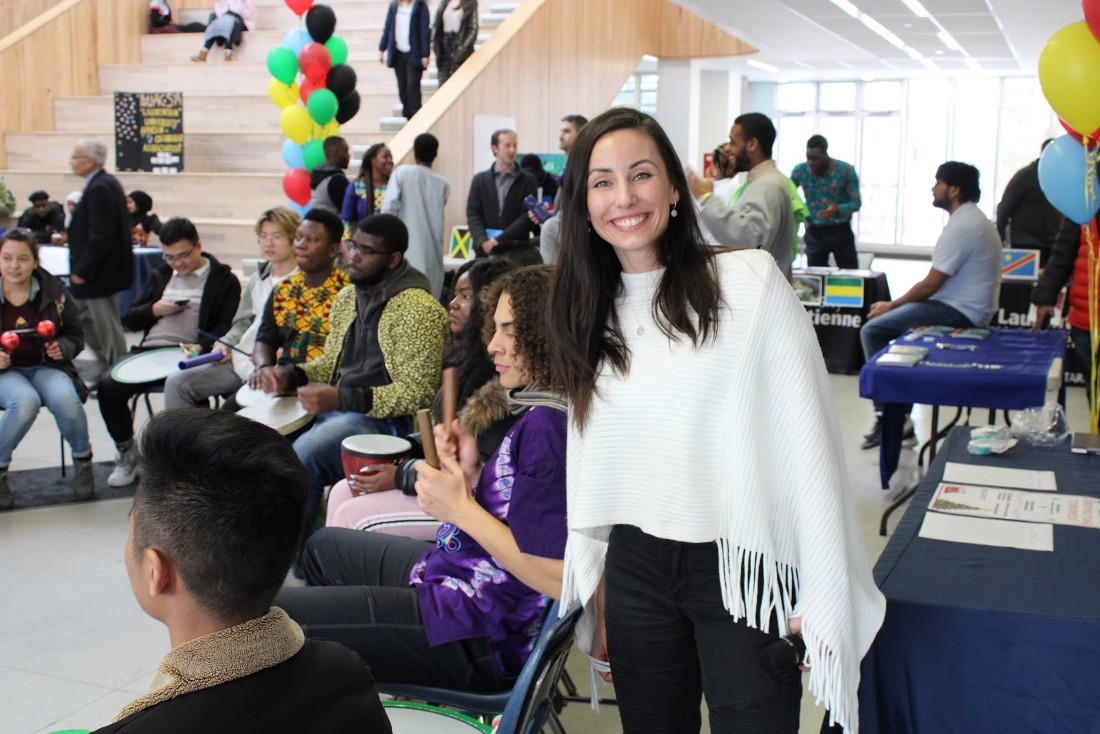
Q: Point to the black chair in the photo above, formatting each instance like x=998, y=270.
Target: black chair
x=529, y=705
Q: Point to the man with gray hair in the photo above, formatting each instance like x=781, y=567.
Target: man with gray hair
x=101, y=261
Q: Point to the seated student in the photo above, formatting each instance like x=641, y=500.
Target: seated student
x=212, y=529
x=190, y=291
x=383, y=356
x=275, y=232
x=465, y=612
x=43, y=217
x=39, y=371
x=142, y=221
x=376, y=501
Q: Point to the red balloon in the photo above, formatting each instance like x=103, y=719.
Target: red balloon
x=305, y=88
x=299, y=6
x=296, y=186
x=46, y=329
x=314, y=62
x=1078, y=136
x=9, y=340
x=1091, y=9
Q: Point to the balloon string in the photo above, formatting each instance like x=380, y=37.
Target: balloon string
x=1091, y=235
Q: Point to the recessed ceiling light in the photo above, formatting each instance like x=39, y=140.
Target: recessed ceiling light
x=939, y=52
x=949, y=41
x=762, y=66
x=918, y=10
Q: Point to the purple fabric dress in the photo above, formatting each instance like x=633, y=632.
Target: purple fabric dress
x=463, y=592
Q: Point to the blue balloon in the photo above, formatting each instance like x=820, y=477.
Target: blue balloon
x=1062, y=177
x=296, y=39
x=300, y=208
x=294, y=155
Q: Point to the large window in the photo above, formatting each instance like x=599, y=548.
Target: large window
x=896, y=133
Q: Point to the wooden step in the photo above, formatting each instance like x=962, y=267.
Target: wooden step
x=350, y=14
x=215, y=113
x=237, y=152
x=362, y=44
x=234, y=196
x=237, y=77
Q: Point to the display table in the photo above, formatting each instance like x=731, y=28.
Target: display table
x=837, y=310
x=985, y=639
x=1011, y=369
x=146, y=259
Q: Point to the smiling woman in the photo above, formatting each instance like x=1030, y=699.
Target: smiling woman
x=669, y=350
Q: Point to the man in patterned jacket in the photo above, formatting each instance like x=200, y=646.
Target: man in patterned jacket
x=382, y=358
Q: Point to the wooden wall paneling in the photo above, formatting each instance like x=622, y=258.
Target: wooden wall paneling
x=119, y=27
x=684, y=35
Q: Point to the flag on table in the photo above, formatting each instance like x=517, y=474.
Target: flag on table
x=1020, y=264
x=843, y=290
x=460, y=242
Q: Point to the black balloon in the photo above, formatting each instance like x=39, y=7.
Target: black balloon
x=321, y=23
x=341, y=80
x=349, y=106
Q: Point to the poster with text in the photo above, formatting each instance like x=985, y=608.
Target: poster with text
x=149, y=132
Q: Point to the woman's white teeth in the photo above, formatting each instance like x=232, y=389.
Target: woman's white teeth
x=630, y=222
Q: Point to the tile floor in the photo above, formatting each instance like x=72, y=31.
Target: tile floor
x=76, y=647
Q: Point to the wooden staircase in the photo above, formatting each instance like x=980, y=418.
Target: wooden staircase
x=232, y=144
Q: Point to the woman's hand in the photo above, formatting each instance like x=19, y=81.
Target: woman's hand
x=5, y=359
x=376, y=478
x=443, y=493
x=456, y=443
x=599, y=634
x=53, y=351
x=794, y=627
x=222, y=350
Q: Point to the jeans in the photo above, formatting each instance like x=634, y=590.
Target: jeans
x=358, y=594
x=408, y=71
x=837, y=239
x=877, y=333
x=195, y=386
x=23, y=390
x=319, y=448
x=671, y=641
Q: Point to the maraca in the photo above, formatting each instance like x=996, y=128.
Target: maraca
x=46, y=329
x=9, y=340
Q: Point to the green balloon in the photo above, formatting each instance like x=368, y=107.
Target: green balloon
x=283, y=64
x=337, y=49
x=322, y=106
x=314, y=154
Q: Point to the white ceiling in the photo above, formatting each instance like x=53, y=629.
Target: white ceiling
x=817, y=39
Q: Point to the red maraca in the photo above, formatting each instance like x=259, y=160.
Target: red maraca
x=46, y=329
x=9, y=340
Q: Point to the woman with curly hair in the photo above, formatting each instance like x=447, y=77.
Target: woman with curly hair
x=709, y=506
x=382, y=499
x=364, y=195
x=464, y=613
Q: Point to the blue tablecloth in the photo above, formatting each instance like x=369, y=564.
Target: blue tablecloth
x=1007, y=370
x=983, y=639
x=146, y=260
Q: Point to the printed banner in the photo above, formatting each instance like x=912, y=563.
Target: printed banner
x=149, y=132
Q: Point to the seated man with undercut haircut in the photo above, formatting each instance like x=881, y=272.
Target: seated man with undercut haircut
x=212, y=529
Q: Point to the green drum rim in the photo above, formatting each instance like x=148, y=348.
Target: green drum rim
x=436, y=709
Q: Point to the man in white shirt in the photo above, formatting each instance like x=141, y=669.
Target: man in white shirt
x=761, y=218
x=417, y=195
x=963, y=285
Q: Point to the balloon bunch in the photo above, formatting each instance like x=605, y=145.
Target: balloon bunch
x=1069, y=73
x=315, y=89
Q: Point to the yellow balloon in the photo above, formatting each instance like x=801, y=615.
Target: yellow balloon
x=295, y=123
x=330, y=128
x=1069, y=73
x=281, y=94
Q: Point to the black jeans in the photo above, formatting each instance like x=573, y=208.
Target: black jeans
x=114, y=400
x=670, y=641
x=359, y=595
x=408, y=71
x=835, y=238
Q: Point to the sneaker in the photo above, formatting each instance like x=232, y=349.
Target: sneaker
x=126, y=469
x=84, y=481
x=909, y=435
x=7, y=500
x=871, y=440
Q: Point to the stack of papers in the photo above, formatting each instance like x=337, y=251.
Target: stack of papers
x=902, y=355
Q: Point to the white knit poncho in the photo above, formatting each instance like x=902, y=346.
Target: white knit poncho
x=735, y=442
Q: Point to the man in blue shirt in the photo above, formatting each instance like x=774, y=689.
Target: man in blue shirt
x=831, y=189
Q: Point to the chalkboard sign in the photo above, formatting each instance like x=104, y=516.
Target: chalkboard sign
x=149, y=132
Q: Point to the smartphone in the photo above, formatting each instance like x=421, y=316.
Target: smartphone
x=184, y=302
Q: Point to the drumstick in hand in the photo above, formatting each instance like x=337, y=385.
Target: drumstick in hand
x=450, y=396
x=424, y=423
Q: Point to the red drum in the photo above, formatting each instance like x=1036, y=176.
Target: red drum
x=370, y=449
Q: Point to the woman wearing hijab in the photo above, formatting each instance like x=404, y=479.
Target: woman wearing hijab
x=142, y=220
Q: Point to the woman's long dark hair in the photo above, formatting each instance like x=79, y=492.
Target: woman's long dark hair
x=583, y=326
x=366, y=172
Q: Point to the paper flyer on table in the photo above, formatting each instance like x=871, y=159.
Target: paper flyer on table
x=998, y=476
x=1015, y=504
x=982, y=531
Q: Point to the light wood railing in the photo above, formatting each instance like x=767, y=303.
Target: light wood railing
x=57, y=53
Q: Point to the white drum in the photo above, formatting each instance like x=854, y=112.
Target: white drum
x=418, y=718
x=156, y=364
x=248, y=396
x=285, y=414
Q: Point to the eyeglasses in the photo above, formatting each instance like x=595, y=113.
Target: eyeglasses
x=365, y=251
x=277, y=237
x=178, y=258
